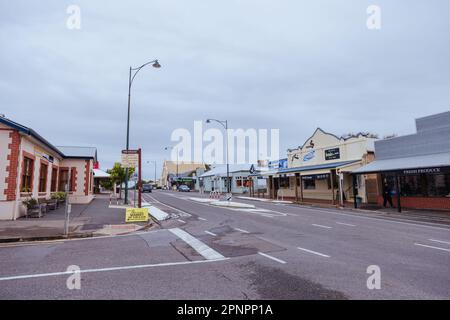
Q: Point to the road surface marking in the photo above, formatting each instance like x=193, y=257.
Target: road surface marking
x=40, y=275
x=346, y=224
x=321, y=226
x=314, y=252
x=438, y=248
x=440, y=241
x=157, y=201
x=379, y=219
x=213, y=234
x=200, y=218
x=270, y=257
x=241, y=230
x=207, y=252
x=182, y=221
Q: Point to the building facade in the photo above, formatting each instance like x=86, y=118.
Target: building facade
x=320, y=170
x=240, y=177
x=30, y=166
x=172, y=169
x=415, y=169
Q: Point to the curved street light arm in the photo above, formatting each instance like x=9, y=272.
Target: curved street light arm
x=139, y=68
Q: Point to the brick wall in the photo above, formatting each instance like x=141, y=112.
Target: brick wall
x=440, y=203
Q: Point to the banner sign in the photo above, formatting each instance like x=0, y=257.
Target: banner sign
x=332, y=154
x=136, y=215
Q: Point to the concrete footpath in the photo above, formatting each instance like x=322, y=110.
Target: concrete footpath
x=86, y=220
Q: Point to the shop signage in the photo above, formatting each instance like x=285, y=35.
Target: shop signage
x=310, y=155
x=424, y=170
x=136, y=215
x=278, y=164
x=322, y=176
x=332, y=154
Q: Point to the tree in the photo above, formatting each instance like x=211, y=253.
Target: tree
x=117, y=175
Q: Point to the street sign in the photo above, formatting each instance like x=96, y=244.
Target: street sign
x=136, y=215
x=130, y=158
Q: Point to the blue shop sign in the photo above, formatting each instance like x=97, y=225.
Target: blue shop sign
x=310, y=155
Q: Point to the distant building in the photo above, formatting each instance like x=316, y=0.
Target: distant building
x=415, y=167
x=30, y=166
x=171, y=170
x=239, y=174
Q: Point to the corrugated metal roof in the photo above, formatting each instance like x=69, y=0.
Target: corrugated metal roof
x=417, y=162
x=317, y=166
x=78, y=152
x=100, y=174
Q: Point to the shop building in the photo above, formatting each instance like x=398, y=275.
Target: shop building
x=415, y=169
x=30, y=166
x=173, y=169
x=320, y=170
x=239, y=177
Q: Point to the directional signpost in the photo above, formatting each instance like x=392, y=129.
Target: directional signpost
x=133, y=159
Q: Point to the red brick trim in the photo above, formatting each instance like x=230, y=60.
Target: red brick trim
x=87, y=171
x=13, y=166
x=74, y=179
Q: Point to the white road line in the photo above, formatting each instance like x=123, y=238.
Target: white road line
x=346, y=224
x=321, y=226
x=270, y=257
x=438, y=248
x=41, y=275
x=210, y=233
x=157, y=201
x=200, y=218
x=182, y=221
x=207, y=252
x=379, y=219
x=241, y=230
x=440, y=241
x=314, y=252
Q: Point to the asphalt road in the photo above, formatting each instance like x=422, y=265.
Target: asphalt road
x=275, y=251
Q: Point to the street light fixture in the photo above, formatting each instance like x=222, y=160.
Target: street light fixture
x=132, y=75
x=224, y=123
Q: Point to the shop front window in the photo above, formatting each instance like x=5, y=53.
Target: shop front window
x=284, y=182
x=27, y=175
x=43, y=178
x=54, y=180
x=425, y=185
x=309, y=184
x=63, y=179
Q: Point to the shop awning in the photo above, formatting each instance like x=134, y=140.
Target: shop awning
x=430, y=161
x=332, y=165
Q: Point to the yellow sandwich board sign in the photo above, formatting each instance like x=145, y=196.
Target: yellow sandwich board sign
x=136, y=215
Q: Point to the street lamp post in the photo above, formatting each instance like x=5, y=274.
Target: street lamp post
x=224, y=123
x=132, y=75
x=154, y=163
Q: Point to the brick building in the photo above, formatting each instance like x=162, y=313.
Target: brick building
x=30, y=166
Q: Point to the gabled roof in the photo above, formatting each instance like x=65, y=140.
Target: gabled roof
x=64, y=152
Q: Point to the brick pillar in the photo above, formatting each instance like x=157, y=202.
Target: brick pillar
x=13, y=166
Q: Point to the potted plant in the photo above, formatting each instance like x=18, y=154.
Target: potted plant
x=32, y=206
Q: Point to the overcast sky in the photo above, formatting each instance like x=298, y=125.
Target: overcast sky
x=293, y=65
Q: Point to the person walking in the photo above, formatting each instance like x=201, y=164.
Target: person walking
x=387, y=195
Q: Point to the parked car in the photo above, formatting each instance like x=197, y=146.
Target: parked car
x=147, y=188
x=184, y=188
